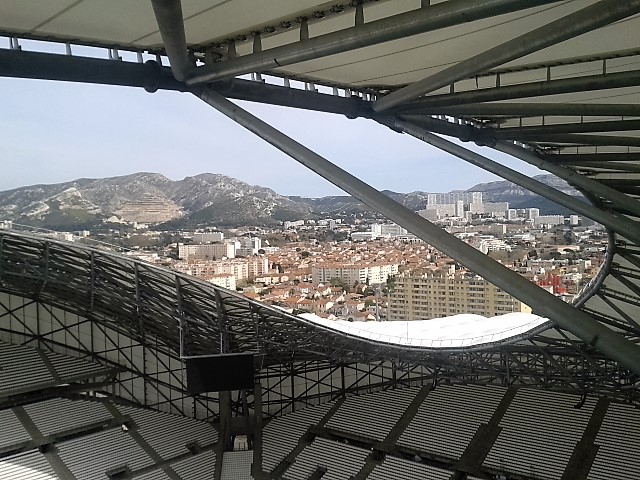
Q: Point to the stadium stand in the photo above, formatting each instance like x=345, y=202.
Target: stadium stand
x=185, y=432
x=155, y=475
x=449, y=418
x=372, y=416
x=237, y=465
x=92, y=456
x=57, y=415
x=84, y=438
x=12, y=430
x=14, y=378
x=338, y=459
x=539, y=432
x=196, y=467
x=26, y=466
x=618, y=444
x=46, y=369
x=393, y=433
x=282, y=434
x=393, y=467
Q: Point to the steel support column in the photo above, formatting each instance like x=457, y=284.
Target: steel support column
x=618, y=199
x=414, y=22
x=590, y=18
x=545, y=304
x=171, y=24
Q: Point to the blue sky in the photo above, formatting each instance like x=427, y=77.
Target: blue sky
x=54, y=132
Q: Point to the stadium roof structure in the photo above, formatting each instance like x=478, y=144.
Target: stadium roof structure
x=554, y=84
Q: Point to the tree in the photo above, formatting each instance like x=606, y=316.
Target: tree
x=568, y=237
x=339, y=282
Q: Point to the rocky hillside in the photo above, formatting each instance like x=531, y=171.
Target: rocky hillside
x=148, y=197
x=210, y=199
x=500, y=191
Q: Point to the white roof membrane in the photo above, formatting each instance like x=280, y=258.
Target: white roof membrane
x=465, y=330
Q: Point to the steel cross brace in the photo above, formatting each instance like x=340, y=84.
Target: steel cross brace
x=579, y=323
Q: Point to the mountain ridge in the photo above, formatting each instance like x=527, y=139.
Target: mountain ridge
x=211, y=199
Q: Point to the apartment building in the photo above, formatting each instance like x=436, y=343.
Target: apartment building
x=207, y=251
x=548, y=220
x=434, y=294
x=224, y=280
x=206, y=237
x=372, y=273
x=257, y=266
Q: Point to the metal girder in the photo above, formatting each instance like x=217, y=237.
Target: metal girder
x=593, y=186
x=589, y=18
x=579, y=158
x=616, y=223
x=541, y=131
x=485, y=137
x=171, y=24
x=596, y=282
x=585, y=83
x=595, y=168
x=442, y=15
x=66, y=68
x=521, y=110
x=578, y=139
x=238, y=89
x=560, y=62
x=152, y=77
x=485, y=367
x=545, y=304
x=114, y=307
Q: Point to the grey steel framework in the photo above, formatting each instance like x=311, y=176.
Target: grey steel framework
x=553, y=84
x=167, y=314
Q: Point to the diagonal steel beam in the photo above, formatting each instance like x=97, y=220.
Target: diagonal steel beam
x=607, y=167
x=579, y=158
x=485, y=137
x=520, y=110
x=602, y=81
x=619, y=224
x=414, y=22
x=583, y=139
x=590, y=18
x=593, y=186
x=539, y=131
x=171, y=24
x=544, y=303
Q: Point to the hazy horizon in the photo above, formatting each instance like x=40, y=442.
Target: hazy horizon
x=340, y=193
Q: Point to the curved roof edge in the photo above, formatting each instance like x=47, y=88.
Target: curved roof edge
x=457, y=331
